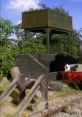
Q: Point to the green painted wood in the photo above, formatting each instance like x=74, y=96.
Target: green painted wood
x=46, y=18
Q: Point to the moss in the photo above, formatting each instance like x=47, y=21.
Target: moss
x=9, y=115
x=15, y=94
x=25, y=114
x=66, y=91
x=4, y=84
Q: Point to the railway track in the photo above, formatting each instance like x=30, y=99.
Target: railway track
x=68, y=106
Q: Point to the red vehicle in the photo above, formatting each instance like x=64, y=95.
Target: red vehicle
x=72, y=76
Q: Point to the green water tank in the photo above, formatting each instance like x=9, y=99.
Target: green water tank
x=46, y=18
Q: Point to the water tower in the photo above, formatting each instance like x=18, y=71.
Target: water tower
x=47, y=21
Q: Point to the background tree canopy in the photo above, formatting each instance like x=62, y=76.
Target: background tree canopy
x=35, y=43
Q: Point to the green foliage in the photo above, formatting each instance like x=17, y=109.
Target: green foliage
x=74, y=42
x=59, y=43
x=60, y=9
x=7, y=49
x=9, y=115
x=6, y=28
x=32, y=46
x=19, y=32
x=7, y=53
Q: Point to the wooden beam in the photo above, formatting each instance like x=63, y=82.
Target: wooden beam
x=48, y=38
x=68, y=43
x=15, y=75
x=25, y=102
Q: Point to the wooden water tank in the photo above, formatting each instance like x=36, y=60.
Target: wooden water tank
x=46, y=18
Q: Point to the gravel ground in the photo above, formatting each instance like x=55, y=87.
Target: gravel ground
x=73, y=110
x=66, y=106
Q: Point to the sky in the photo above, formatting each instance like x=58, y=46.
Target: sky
x=12, y=9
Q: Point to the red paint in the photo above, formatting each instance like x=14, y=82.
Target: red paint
x=71, y=76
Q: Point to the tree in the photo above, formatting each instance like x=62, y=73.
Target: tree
x=6, y=28
x=61, y=10
x=6, y=46
x=74, y=42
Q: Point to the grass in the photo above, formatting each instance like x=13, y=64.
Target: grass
x=8, y=115
x=66, y=91
x=4, y=84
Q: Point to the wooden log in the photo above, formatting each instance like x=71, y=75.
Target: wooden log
x=44, y=93
x=15, y=72
x=15, y=75
x=25, y=102
x=22, y=83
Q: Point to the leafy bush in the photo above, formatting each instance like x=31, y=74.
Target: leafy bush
x=32, y=46
x=6, y=58
x=7, y=49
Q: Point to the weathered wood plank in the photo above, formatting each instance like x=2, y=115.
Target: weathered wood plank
x=9, y=90
x=25, y=102
x=15, y=75
x=30, y=66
